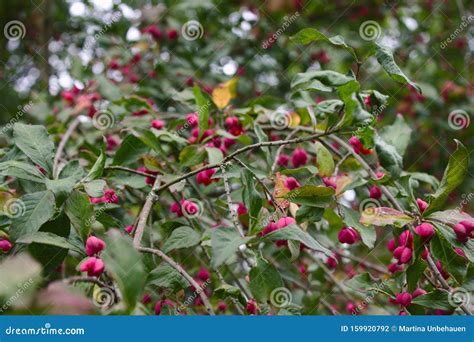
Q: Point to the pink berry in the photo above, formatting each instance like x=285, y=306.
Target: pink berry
x=422, y=205
x=394, y=268
x=329, y=182
x=94, y=246
x=299, y=157
x=154, y=31
x=203, y=274
x=460, y=252
x=285, y=221
x=469, y=225
x=425, y=231
x=162, y=303
x=351, y=308
x=391, y=245
x=241, y=209
x=404, y=299
x=93, y=266
x=405, y=238
x=291, y=183
x=110, y=196
x=129, y=229
x=251, y=307
x=358, y=146
x=331, y=263
x=222, y=306
x=5, y=245
x=375, y=192
x=205, y=177
x=348, y=235
x=283, y=160
x=157, y=124
x=418, y=292
x=461, y=233
x=439, y=266
x=271, y=227
x=172, y=34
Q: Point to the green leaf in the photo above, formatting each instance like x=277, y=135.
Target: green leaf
x=451, y=262
x=81, y=213
x=324, y=160
x=98, y=168
x=47, y=238
x=109, y=90
x=385, y=57
x=167, y=277
x=182, y=237
x=434, y=300
x=203, y=109
x=398, y=134
x=384, y=216
x=308, y=35
x=414, y=274
x=251, y=198
x=351, y=219
x=454, y=175
x=61, y=187
x=293, y=232
x=308, y=213
x=34, y=141
x=131, y=149
x=389, y=157
x=214, y=155
x=264, y=278
x=124, y=263
x=21, y=170
x=312, y=195
x=19, y=273
x=450, y=217
x=192, y=155
x=95, y=188
x=37, y=208
x=225, y=243
x=327, y=78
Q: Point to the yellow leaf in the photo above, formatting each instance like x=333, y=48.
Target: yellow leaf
x=295, y=119
x=280, y=190
x=223, y=93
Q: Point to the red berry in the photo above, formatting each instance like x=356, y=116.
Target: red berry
x=348, y=235
x=422, y=205
x=419, y=292
x=251, y=307
x=283, y=160
x=241, y=209
x=404, y=299
x=375, y=192
x=5, y=245
x=299, y=157
x=203, y=274
x=94, y=246
x=93, y=266
x=222, y=306
x=461, y=233
x=425, y=231
x=391, y=245
x=291, y=183
x=205, y=177
x=157, y=124
x=285, y=221
x=329, y=182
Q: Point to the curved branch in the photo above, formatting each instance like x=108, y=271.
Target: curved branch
x=62, y=144
x=181, y=271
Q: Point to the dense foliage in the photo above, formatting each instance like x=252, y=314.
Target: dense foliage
x=201, y=158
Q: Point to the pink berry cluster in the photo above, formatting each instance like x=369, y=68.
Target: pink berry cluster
x=93, y=265
x=109, y=197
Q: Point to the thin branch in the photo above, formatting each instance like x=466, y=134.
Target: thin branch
x=144, y=213
x=332, y=278
x=363, y=262
x=62, y=144
x=183, y=272
x=127, y=169
x=239, y=151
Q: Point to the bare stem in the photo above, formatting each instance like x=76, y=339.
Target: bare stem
x=62, y=144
